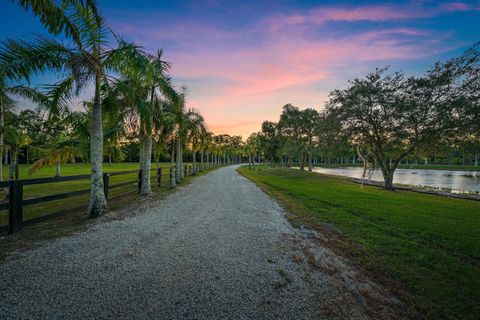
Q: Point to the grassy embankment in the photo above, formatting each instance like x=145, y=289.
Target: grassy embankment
x=410, y=166
x=67, y=186
x=425, y=247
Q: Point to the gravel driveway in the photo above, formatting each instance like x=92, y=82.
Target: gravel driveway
x=218, y=248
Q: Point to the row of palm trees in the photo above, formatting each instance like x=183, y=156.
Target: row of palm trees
x=132, y=94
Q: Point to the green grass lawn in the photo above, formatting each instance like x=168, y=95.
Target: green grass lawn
x=39, y=190
x=427, y=245
x=410, y=166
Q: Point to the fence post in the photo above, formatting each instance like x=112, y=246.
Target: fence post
x=140, y=174
x=15, y=216
x=106, y=181
x=159, y=176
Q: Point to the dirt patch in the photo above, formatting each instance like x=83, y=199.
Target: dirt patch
x=349, y=285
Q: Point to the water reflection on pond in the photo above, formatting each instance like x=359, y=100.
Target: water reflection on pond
x=455, y=181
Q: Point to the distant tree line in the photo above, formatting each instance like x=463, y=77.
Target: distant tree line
x=382, y=120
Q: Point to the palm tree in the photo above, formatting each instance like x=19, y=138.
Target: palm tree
x=165, y=137
x=164, y=132
x=84, y=60
x=195, y=128
x=205, y=141
x=61, y=150
x=179, y=114
x=156, y=80
x=139, y=95
x=71, y=144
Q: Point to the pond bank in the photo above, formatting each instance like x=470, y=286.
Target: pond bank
x=464, y=196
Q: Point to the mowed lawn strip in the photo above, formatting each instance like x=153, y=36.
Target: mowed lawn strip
x=430, y=245
x=40, y=190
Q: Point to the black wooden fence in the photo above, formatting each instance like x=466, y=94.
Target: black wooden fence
x=16, y=201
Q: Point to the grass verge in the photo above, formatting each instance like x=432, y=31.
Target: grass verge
x=424, y=247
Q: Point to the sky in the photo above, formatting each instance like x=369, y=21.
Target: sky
x=243, y=60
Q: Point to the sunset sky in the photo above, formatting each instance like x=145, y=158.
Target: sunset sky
x=243, y=60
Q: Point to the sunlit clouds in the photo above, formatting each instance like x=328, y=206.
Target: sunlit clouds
x=241, y=71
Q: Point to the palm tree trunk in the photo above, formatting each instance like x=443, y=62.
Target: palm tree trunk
x=179, y=163
x=109, y=159
x=194, y=166
x=173, y=182
x=57, y=170
x=201, y=161
x=146, y=187
x=141, y=150
x=97, y=205
x=182, y=171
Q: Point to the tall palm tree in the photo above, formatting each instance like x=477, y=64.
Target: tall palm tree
x=84, y=60
x=162, y=135
x=179, y=113
x=158, y=85
x=139, y=94
x=195, y=125
x=165, y=136
x=205, y=141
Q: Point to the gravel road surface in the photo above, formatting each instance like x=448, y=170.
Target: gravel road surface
x=218, y=248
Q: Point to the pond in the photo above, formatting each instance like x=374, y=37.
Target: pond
x=454, y=181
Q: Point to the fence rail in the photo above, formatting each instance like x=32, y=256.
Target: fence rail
x=16, y=201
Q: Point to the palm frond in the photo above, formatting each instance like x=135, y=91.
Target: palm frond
x=20, y=58
x=53, y=16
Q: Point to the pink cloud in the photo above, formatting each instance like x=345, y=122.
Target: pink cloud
x=457, y=6
x=377, y=13
x=238, y=78
x=282, y=68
